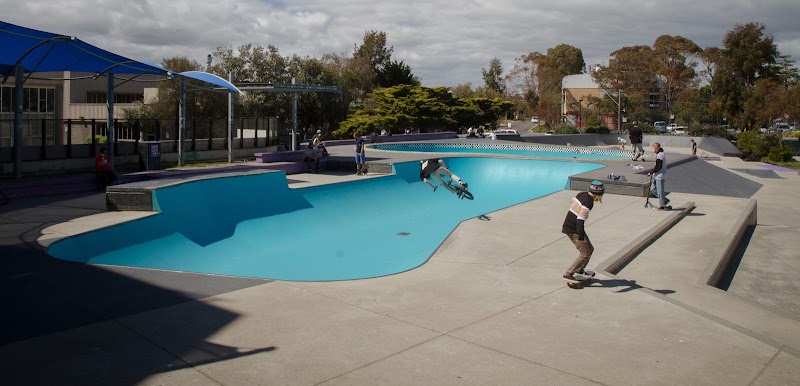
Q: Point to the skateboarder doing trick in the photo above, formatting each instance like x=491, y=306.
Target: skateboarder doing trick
x=434, y=168
x=573, y=227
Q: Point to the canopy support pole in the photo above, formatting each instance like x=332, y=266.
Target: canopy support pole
x=19, y=78
x=110, y=122
x=181, y=120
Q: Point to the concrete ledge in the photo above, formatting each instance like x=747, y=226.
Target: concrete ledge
x=716, y=267
x=625, y=188
x=138, y=196
x=622, y=257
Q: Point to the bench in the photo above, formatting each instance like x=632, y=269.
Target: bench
x=289, y=161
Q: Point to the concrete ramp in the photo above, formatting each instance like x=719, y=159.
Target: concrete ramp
x=700, y=177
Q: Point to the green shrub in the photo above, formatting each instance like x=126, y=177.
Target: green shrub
x=565, y=129
x=598, y=130
x=708, y=131
x=780, y=153
x=97, y=138
x=755, y=145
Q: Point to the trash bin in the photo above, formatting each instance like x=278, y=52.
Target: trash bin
x=150, y=155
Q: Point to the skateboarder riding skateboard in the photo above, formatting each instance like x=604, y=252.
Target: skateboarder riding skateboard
x=573, y=227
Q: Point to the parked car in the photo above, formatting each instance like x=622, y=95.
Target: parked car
x=781, y=127
x=505, y=131
x=535, y=120
x=674, y=128
x=660, y=126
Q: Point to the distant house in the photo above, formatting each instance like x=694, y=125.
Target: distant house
x=575, y=93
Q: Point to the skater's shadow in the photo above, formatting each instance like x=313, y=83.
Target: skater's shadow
x=629, y=285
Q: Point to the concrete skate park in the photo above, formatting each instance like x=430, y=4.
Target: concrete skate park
x=701, y=294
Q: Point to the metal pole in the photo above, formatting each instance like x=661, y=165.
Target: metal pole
x=230, y=121
x=181, y=120
x=110, y=121
x=619, y=110
x=19, y=76
x=294, y=118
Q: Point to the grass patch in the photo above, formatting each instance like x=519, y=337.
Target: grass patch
x=795, y=165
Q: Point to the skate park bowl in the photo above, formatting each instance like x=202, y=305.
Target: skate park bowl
x=350, y=230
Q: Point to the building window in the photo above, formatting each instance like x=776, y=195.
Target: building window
x=35, y=100
x=5, y=100
x=100, y=97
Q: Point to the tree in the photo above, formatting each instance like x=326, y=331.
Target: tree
x=632, y=71
x=395, y=73
x=677, y=58
x=318, y=111
x=538, y=77
x=765, y=104
x=568, y=60
x=415, y=107
x=374, y=52
x=493, y=77
x=748, y=55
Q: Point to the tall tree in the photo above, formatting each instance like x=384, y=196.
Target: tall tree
x=632, y=71
x=568, y=60
x=395, y=73
x=493, y=76
x=749, y=54
x=373, y=50
x=677, y=58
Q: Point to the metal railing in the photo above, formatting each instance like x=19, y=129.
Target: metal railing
x=46, y=139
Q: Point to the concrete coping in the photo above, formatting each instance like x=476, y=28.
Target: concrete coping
x=624, y=255
x=716, y=267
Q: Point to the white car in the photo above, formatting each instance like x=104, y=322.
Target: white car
x=674, y=128
x=535, y=120
x=505, y=131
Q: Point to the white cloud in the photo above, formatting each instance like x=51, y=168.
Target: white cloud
x=445, y=43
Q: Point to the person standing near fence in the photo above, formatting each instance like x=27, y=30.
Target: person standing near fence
x=102, y=167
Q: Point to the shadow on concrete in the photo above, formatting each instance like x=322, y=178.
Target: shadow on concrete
x=628, y=285
x=736, y=258
x=43, y=295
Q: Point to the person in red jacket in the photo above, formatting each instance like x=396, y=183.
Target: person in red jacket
x=102, y=167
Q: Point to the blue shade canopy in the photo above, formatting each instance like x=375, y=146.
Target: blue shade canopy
x=210, y=78
x=40, y=51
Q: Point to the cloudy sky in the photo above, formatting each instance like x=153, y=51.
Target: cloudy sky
x=445, y=42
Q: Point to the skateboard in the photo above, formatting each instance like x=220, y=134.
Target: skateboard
x=461, y=191
x=649, y=204
x=587, y=277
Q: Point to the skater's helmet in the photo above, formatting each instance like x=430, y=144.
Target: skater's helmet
x=597, y=189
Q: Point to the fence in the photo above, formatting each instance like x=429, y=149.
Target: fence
x=46, y=139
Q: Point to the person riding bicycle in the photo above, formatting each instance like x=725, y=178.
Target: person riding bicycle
x=435, y=167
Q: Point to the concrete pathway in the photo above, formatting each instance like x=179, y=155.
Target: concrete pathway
x=488, y=308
